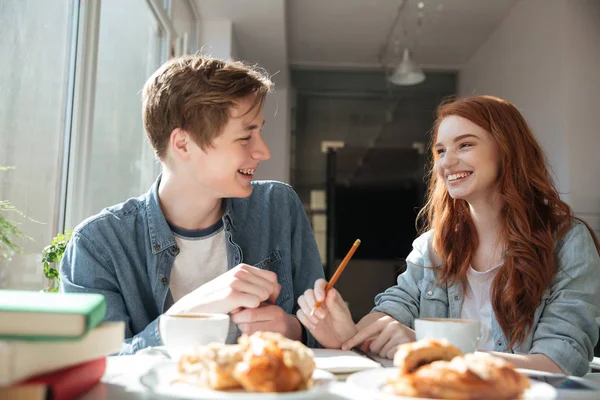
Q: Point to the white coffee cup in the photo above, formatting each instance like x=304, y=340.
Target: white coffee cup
x=468, y=335
x=193, y=329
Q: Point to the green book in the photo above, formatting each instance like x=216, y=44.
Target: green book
x=28, y=315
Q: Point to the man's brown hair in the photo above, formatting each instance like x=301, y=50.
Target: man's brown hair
x=196, y=93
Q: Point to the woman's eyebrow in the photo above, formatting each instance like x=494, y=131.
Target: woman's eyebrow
x=459, y=138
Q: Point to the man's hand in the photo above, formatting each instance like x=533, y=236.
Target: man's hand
x=241, y=287
x=270, y=318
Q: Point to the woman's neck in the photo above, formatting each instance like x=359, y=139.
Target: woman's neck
x=187, y=206
x=487, y=221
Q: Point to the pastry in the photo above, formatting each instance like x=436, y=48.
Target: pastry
x=262, y=362
x=212, y=366
x=471, y=376
x=410, y=356
x=274, y=363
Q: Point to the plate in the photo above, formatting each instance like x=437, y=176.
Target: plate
x=160, y=378
x=374, y=379
x=564, y=382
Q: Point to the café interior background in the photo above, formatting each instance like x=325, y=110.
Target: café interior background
x=70, y=120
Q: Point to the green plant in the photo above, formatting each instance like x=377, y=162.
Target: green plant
x=9, y=230
x=51, y=256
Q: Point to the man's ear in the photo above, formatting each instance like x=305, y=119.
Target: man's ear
x=180, y=142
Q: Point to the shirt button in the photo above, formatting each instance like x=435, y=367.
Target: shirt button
x=174, y=249
x=499, y=343
x=430, y=293
x=456, y=298
x=164, y=281
x=156, y=247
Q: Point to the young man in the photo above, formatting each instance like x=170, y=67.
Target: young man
x=204, y=238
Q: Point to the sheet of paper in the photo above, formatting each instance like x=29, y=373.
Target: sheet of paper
x=385, y=362
x=342, y=362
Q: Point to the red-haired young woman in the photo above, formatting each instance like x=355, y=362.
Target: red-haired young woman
x=500, y=246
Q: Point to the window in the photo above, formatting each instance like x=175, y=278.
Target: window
x=34, y=95
x=70, y=110
x=182, y=14
x=120, y=162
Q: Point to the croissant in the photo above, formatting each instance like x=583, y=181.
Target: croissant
x=429, y=373
x=273, y=363
x=262, y=362
x=212, y=366
x=410, y=356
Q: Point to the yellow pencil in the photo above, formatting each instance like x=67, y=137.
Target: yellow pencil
x=337, y=273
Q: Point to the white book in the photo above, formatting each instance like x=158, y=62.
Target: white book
x=23, y=359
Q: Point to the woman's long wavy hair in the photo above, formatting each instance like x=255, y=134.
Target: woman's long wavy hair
x=533, y=216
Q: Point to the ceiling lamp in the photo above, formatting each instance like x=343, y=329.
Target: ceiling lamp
x=404, y=70
x=407, y=72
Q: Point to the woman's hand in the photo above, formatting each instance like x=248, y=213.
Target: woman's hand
x=381, y=335
x=332, y=322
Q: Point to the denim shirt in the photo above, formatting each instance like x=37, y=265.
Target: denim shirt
x=564, y=325
x=127, y=251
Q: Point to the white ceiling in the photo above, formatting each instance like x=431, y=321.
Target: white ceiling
x=351, y=33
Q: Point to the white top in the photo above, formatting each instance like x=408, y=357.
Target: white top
x=202, y=257
x=477, y=304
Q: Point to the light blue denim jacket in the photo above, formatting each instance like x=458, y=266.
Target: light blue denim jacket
x=127, y=251
x=564, y=326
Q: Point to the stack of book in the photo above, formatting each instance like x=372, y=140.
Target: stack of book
x=53, y=345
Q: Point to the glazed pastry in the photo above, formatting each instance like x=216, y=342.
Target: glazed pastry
x=211, y=366
x=274, y=363
x=410, y=356
x=472, y=376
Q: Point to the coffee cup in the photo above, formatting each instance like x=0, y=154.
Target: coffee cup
x=468, y=335
x=193, y=329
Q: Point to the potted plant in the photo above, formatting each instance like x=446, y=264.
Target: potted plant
x=51, y=256
x=9, y=230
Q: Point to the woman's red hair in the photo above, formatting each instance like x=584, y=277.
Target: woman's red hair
x=533, y=216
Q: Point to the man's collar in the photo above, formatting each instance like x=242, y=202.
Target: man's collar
x=228, y=219
x=161, y=237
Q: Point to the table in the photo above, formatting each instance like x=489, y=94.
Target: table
x=121, y=381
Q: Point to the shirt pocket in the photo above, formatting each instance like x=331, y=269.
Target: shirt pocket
x=434, y=300
x=273, y=263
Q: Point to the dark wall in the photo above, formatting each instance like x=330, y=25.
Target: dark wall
x=382, y=217
x=374, y=119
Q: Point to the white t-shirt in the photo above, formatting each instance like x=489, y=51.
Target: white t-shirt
x=202, y=257
x=477, y=304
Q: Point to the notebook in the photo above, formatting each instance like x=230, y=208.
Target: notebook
x=64, y=384
x=24, y=359
x=28, y=315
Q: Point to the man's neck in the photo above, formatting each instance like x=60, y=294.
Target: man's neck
x=186, y=209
